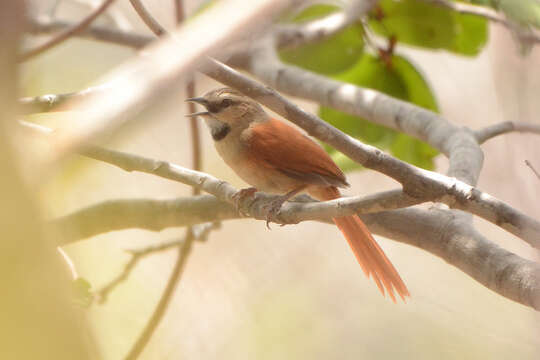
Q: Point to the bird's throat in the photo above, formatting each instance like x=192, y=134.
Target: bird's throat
x=218, y=129
x=220, y=132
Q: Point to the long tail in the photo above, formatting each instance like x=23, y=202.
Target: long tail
x=366, y=250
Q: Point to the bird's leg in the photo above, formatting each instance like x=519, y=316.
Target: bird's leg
x=240, y=196
x=274, y=206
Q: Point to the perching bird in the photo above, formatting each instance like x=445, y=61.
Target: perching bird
x=275, y=157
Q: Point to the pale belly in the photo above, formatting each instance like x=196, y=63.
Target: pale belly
x=261, y=177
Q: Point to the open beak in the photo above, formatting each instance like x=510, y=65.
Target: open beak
x=198, y=113
x=198, y=100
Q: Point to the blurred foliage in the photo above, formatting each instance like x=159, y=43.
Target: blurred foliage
x=522, y=12
x=418, y=23
x=82, y=295
x=334, y=54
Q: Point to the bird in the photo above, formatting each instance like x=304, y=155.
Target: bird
x=277, y=158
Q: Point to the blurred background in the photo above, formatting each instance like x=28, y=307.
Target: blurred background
x=296, y=291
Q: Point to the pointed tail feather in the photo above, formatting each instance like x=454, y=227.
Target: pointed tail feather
x=368, y=253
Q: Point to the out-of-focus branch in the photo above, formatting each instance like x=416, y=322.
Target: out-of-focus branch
x=147, y=18
x=48, y=102
x=184, y=249
x=483, y=135
x=530, y=166
x=201, y=233
x=39, y=26
x=37, y=317
x=159, y=69
x=319, y=29
x=163, y=304
x=66, y=34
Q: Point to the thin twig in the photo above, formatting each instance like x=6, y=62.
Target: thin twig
x=66, y=34
x=48, y=102
x=201, y=234
x=95, y=32
x=164, y=301
x=528, y=163
x=489, y=132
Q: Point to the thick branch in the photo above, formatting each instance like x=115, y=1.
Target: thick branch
x=440, y=232
x=449, y=236
x=113, y=215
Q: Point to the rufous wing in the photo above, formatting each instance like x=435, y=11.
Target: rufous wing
x=277, y=145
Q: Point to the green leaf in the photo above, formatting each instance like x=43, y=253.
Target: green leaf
x=82, y=295
x=334, y=54
x=399, y=79
x=419, y=23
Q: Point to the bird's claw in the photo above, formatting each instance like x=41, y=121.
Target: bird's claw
x=240, y=196
x=273, y=209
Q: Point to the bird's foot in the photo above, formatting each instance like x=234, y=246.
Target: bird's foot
x=240, y=196
x=272, y=209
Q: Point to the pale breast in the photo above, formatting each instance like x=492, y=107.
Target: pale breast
x=235, y=154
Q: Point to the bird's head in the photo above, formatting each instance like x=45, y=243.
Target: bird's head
x=230, y=107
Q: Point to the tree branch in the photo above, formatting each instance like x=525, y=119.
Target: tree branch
x=39, y=26
x=530, y=166
x=163, y=304
x=417, y=183
x=114, y=215
x=147, y=18
x=201, y=233
x=456, y=143
x=66, y=34
x=463, y=149
x=290, y=36
x=440, y=232
x=483, y=135
x=160, y=69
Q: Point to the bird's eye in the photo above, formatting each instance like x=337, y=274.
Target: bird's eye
x=226, y=103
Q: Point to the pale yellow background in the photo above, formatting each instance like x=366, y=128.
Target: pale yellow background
x=297, y=292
